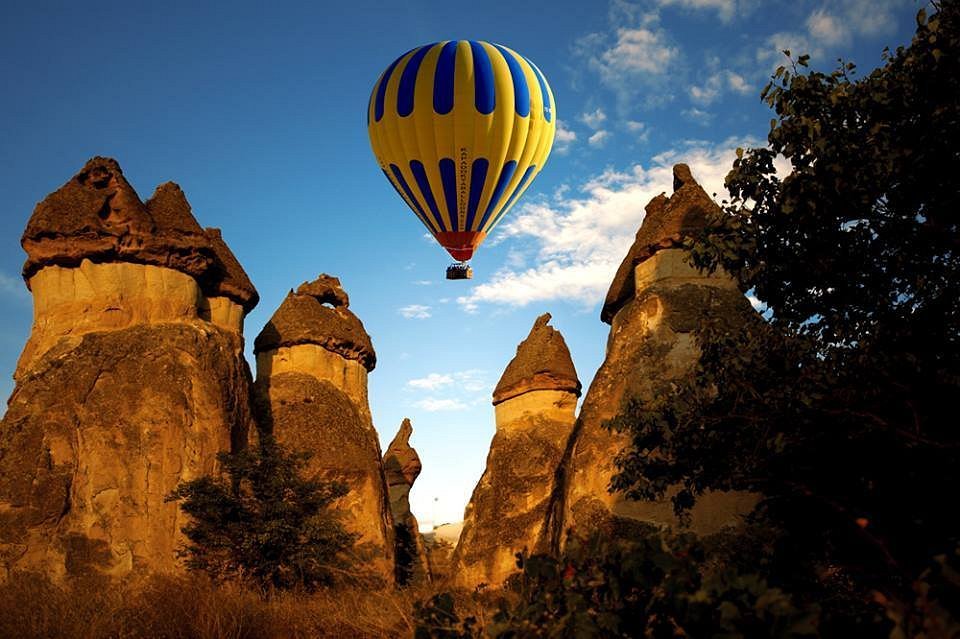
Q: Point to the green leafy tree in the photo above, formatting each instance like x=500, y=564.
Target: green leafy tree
x=841, y=408
x=262, y=521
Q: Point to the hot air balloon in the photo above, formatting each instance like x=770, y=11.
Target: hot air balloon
x=460, y=128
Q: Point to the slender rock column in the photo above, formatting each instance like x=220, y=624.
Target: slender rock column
x=401, y=465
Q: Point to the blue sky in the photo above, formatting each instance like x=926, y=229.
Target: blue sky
x=258, y=111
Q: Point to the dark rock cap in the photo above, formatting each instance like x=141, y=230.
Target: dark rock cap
x=667, y=223
x=327, y=290
x=305, y=319
x=401, y=464
x=97, y=215
x=227, y=277
x=542, y=362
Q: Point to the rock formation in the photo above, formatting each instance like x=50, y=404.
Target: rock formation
x=401, y=466
x=132, y=379
x=534, y=403
x=313, y=357
x=654, y=307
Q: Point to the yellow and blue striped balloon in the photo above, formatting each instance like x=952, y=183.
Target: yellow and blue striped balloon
x=461, y=128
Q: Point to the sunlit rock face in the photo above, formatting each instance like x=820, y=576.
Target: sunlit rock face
x=654, y=306
x=401, y=467
x=126, y=386
x=535, y=403
x=313, y=357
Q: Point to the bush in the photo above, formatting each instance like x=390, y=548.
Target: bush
x=264, y=522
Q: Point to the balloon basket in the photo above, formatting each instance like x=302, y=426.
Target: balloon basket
x=459, y=271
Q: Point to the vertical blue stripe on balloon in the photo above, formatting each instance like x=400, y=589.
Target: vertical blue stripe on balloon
x=443, y=80
x=416, y=166
x=382, y=89
x=413, y=200
x=408, y=81
x=516, y=193
x=547, y=107
x=448, y=175
x=483, y=85
x=521, y=94
x=478, y=177
x=505, y=174
x=387, y=175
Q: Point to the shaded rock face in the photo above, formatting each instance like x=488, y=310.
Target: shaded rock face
x=124, y=388
x=311, y=394
x=401, y=467
x=655, y=305
x=535, y=404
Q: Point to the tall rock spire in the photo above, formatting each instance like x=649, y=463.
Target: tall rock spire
x=127, y=385
x=401, y=466
x=534, y=404
x=313, y=357
x=655, y=305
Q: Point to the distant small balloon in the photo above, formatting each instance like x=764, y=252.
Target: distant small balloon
x=460, y=128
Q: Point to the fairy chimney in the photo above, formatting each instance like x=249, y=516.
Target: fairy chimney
x=655, y=305
x=313, y=357
x=534, y=404
x=126, y=386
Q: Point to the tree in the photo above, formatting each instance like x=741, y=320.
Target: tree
x=840, y=409
x=263, y=521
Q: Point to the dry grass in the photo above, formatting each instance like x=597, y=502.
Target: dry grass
x=192, y=608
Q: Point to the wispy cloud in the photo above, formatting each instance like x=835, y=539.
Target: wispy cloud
x=434, y=404
x=599, y=138
x=832, y=26
x=699, y=116
x=415, y=311
x=563, y=139
x=634, y=55
x=433, y=381
x=726, y=10
x=594, y=119
x=580, y=240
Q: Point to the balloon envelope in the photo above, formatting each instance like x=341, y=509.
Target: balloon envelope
x=460, y=128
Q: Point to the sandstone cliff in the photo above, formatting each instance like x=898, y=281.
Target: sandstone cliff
x=534, y=402
x=131, y=381
x=401, y=466
x=313, y=357
x=654, y=307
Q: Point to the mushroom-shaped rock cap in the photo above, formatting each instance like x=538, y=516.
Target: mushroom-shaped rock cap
x=305, y=319
x=227, y=278
x=667, y=223
x=327, y=290
x=97, y=215
x=542, y=362
x=401, y=464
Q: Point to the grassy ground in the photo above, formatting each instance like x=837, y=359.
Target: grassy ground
x=192, y=608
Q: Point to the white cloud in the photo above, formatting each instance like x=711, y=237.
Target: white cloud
x=594, y=119
x=415, y=311
x=563, y=138
x=737, y=83
x=834, y=29
x=433, y=381
x=826, y=28
x=698, y=115
x=581, y=240
x=706, y=93
x=638, y=51
x=726, y=9
x=599, y=138
x=434, y=404
x=639, y=130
